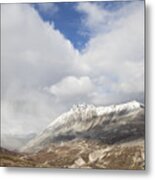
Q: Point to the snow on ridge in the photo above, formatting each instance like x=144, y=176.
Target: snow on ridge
x=80, y=119
x=130, y=106
x=85, y=111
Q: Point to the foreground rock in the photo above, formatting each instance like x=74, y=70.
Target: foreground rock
x=83, y=154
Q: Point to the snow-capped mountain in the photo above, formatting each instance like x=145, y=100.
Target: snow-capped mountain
x=109, y=124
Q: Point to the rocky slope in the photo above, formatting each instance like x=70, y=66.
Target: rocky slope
x=110, y=124
x=81, y=154
x=93, y=154
x=109, y=137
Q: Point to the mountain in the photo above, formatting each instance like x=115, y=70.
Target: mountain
x=107, y=124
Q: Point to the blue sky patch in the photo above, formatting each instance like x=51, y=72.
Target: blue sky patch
x=69, y=21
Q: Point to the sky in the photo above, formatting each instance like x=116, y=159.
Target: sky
x=67, y=19
x=54, y=55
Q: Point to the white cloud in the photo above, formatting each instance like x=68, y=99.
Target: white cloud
x=118, y=55
x=33, y=46
x=43, y=75
x=95, y=15
x=48, y=8
x=32, y=58
x=71, y=87
x=99, y=19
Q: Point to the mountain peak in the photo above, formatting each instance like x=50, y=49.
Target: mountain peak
x=135, y=103
x=105, y=123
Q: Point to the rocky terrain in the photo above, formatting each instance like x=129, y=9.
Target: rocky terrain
x=109, y=137
x=81, y=154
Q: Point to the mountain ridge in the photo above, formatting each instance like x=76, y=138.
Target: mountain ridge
x=109, y=124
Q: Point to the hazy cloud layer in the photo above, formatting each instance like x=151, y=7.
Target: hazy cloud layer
x=43, y=75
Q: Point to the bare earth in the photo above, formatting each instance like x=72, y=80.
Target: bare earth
x=81, y=154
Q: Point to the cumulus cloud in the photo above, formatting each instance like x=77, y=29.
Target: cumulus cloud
x=32, y=58
x=33, y=47
x=118, y=55
x=71, y=86
x=43, y=74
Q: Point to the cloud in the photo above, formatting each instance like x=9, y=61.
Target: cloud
x=32, y=58
x=48, y=9
x=36, y=49
x=94, y=14
x=43, y=74
x=99, y=19
x=71, y=87
x=118, y=55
